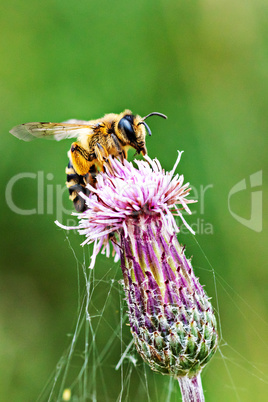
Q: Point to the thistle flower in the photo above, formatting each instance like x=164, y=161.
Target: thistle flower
x=171, y=318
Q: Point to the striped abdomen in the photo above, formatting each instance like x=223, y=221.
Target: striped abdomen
x=77, y=184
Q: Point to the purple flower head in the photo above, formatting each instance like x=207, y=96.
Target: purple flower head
x=125, y=192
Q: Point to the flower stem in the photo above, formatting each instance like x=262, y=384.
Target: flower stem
x=191, y=389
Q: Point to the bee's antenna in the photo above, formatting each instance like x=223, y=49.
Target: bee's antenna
x=146, y=117
x=155, y=114
x=146, y=126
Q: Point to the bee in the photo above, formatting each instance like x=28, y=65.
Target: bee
x=112, y=135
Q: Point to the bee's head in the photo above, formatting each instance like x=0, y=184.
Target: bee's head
x=133, y=128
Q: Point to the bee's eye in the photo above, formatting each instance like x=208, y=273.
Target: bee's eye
x=126, y=125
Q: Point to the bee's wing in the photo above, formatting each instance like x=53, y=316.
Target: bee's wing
x=59, y=131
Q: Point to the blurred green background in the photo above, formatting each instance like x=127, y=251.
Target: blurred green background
x=205, y=65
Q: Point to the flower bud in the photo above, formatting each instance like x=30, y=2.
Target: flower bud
x=170, y=315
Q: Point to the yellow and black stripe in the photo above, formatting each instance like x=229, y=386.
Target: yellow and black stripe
x=77, y=184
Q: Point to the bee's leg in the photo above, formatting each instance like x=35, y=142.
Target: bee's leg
x=81, y=159
x=117, y=145
x=102, y=157
x=77, y=183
